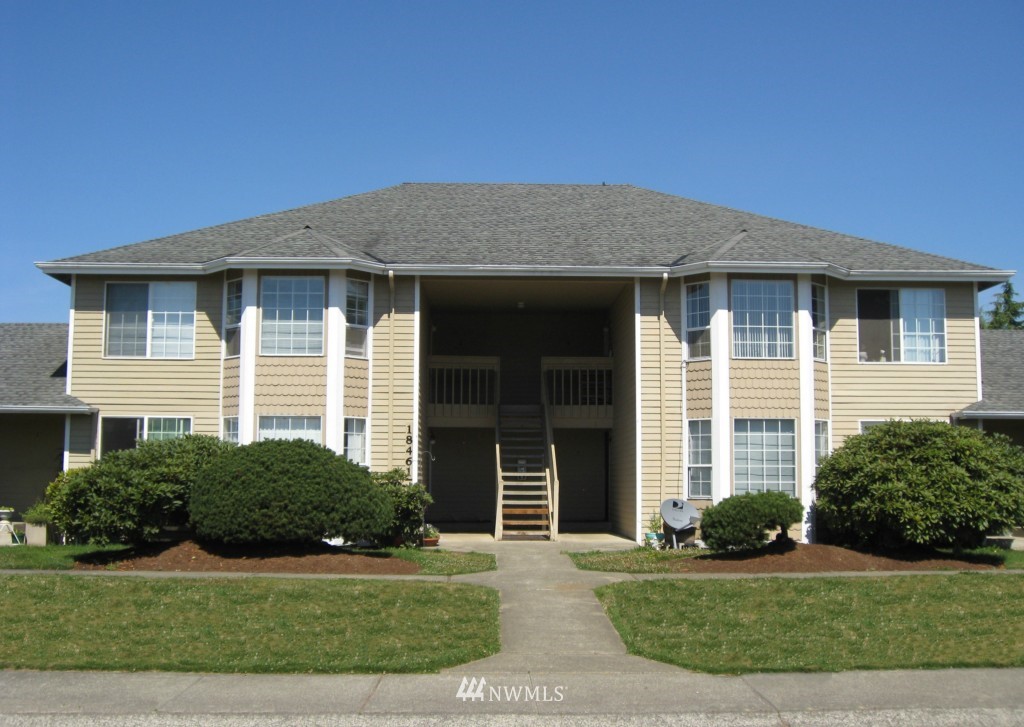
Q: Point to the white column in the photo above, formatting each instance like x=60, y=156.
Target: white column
x=721, y=412
x=805, y=359
x=248, y=347
x=638, y=398
x=66, y=460
x=334, y=409
x=684, y=443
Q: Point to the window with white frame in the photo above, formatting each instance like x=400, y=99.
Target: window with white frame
x=699, y=458
x=118, y=433
x=290, y=427
x=821, y=450
x=764, y=455
x=355, y=440
x=905, y=325
x=292, y=315
x=150, y=320
x=232, y=318
x=762, y=319
x=819, y=322
x=698, y=320
x=866, y=424
x=230, y=430
x=357, y=317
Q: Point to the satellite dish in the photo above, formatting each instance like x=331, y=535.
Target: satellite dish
x=679, y=514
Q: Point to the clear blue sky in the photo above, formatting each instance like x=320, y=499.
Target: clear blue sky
x=125, y=121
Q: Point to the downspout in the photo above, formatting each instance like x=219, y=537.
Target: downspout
x=391, y=366
x=661, y=387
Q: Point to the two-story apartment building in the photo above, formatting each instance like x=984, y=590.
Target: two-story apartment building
x=542, y=357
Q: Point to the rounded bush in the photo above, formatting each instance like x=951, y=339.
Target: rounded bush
x=742, y=522
x=410, y=502
x=920, y=483
x=130, y=496
x=281, y=491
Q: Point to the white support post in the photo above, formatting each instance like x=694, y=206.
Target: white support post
x=248, y=347
x=334, y=409
x=805, y=359
x=721, y=412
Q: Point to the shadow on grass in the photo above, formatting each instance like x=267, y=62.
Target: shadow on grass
x=264, y=551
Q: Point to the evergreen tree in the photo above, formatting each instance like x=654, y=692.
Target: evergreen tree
x=1007, y=312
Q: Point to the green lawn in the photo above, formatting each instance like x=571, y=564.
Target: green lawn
x=62, y=557
x=244, y=625
x=648, y=560
x=823, y=624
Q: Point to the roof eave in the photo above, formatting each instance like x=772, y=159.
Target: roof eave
x=31, y=409
x=977, y=414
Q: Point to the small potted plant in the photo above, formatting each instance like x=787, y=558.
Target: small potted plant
x=431, y=536
x=36, y=519
x=6, y=513
x=655, y=535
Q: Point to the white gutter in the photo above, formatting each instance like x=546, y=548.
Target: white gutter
x=13, y=409
x=989, y=415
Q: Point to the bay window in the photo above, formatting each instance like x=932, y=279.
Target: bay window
x=764, y=455
x=698, y=320
x=293, y=316
x=762, y=319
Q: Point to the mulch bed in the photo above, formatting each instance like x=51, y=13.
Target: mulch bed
x=782, y=557
x=189, y=556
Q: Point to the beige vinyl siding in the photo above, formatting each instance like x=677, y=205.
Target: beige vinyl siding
x=290, y=385
x=899, y=390
x=230, y=390
x=698, y=390
x=357, y=387
x=393, y=371
x=622, y=499
x=82, y=440
x=422, y=433
x=140, y=386
x=764, y=389
x=822, y=409
x=661, y=394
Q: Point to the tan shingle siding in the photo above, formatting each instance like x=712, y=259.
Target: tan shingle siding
x=765, y=389
x=357, y=387
x=295, y=385
x=230, y=391
x=698, y=390
x=822, y=409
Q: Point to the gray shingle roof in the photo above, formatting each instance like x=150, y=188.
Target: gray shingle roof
x=33, y=368
x=1002, y=366
x=516, y=225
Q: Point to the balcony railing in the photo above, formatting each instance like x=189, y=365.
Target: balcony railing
x=463, y=390
x=578, y=390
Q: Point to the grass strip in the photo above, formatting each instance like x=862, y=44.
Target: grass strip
x=446, y=562
x=823, y=624
x=648, y=560
x=253, y=625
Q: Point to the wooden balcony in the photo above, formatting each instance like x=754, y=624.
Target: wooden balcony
x=578, y=391
x=463, y=391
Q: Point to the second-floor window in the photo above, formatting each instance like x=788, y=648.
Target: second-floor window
x=762, y=319
x=357, y=317
x=698, y=320
x=233, y=318
x=150, y=320
x=293, y=316
x=901, y=325
x=819, y=322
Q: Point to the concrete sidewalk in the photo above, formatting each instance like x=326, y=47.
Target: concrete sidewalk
x=561, y=661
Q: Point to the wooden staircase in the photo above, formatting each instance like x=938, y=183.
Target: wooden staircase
x=524, y=507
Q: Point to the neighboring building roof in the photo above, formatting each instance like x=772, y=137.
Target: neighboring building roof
x=1002, y=386
x=33, y=369
x=522, y=228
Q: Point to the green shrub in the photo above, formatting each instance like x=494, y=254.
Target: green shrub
x=130, y=496
x=281, y=491
x=410, y=502
x=920, y=483
x=38, y=514
x=743, y=521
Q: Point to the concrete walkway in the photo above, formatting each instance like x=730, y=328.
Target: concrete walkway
x=562, y=662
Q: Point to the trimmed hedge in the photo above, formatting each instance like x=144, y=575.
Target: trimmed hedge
x=130, y=496
x=410, y=502
x=281, y=491
x=742, y=522
x=920, y=483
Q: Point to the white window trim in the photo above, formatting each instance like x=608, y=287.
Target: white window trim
x=366, y=443
x=828, y=440
x=686, y=312
x=149, y=322
x=825, y=313
x=901, y=362
x=870, y=422
x=796, y=452
x=369, y=317
x=145, y=424
x=225, y=327
x=260, y=417
x=711, y=466
x=223, y=429
x=259, y=323
x=732, y=320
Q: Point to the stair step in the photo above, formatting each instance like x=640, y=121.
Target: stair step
x=521, y=523
x=541, y=511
